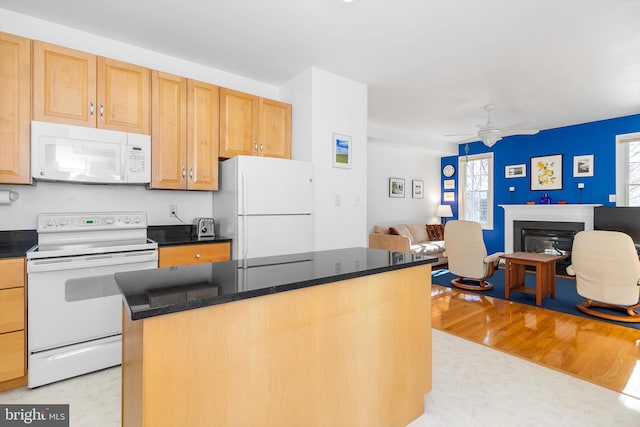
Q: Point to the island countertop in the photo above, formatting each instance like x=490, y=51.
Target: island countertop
x=149, y=293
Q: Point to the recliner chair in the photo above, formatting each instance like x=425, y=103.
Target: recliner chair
x=467, y=255
x=607, y=271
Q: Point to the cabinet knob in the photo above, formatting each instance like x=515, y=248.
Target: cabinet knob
x=198, y=256
x=101, y=110
x=255, y=146
x=91, y=109
x=184, y=172
x=261, y=147
x=191, y=173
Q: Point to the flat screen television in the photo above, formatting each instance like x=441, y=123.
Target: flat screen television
x=624, y=219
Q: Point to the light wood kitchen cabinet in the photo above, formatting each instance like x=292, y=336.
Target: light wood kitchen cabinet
x=15, y=109
x=184, y=133
x=253, y=126
x=82, y=89
x=172, y=256
x=12, y=324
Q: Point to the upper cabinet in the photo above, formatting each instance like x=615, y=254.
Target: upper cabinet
x=78, y=88
x=185, y=133
x=250, y=125
x=15, y=109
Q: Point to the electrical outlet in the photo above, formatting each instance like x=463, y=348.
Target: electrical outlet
x=173, y=210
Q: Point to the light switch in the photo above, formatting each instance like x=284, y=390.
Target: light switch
x=612, y=198
x=338, y=200
x=581, y=185
x=512, y=189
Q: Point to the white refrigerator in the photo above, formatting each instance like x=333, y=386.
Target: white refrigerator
x=265, y=205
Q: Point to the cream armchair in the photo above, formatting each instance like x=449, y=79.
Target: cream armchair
x=467, y=255
x=607, y=272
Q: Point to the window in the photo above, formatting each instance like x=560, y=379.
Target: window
x=628, y=169
x=476, y=189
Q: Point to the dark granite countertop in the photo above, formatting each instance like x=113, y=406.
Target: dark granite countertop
x=16, y=243
x=171, y=235
x=149, y=293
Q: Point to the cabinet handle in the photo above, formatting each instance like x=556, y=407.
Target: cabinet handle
x=184, y=172
x=255, y=147
x=101, y=110
x=261, y=148
x=191, y=173
x=198, y=256
x=91, y=109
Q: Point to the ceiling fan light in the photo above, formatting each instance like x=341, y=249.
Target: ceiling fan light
x=490, y=140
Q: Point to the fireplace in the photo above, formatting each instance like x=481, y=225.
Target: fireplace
x=550, y=237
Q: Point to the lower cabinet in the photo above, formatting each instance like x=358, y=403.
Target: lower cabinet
x=12, y=324
x=172, y=256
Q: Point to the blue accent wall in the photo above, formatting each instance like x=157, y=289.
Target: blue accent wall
x=597, y=138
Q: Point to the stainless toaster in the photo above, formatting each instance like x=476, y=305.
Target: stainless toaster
x=203, y=228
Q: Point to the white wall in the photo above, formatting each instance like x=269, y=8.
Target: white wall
x=395, y=160
x=65, y=197
x=332, y=104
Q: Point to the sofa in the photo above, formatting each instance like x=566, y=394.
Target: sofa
x=426, y=239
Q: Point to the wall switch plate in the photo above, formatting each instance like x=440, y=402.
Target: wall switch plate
x=512, y=189
x=338, y=200
x=612, y=198
x=581, y=185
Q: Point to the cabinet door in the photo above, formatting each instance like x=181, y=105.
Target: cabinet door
x=193, y=254
x=203, y=136
x=12, y=349
x=11, y=310
x=275, y=129
x=15, y=109
x=168, y=131
x=123, y=96
x=238, y=123
x=64, y=85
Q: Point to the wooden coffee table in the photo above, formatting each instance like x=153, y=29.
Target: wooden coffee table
x=545, y=264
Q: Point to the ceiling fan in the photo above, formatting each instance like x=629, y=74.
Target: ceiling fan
x=489, y=134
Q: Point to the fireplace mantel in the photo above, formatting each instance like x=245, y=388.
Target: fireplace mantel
x=569, y=213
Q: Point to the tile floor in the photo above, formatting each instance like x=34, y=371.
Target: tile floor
x=473, y=385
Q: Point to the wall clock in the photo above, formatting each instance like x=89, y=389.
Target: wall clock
x=448, y=171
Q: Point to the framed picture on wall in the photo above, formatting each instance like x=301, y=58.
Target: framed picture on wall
x=341, y=151
x=449, y=196
x=546, y=172
x=396, y=187
x=583, y=165
x=449, y=184
x=418, y=189
x=515, y=171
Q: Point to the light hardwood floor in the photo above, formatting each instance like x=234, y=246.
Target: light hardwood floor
x=599, y=352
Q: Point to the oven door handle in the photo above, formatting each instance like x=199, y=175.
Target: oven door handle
x=90, y=261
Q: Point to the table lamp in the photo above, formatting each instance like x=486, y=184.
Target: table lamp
x=444, y=211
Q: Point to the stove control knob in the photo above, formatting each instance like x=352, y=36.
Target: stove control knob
x=62, y=221
x=137, y=220
x=127, y=220
x=108, y=221
x=51, y=222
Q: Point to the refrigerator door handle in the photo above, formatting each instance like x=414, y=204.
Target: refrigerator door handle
x=243, y=185
x=243, y=212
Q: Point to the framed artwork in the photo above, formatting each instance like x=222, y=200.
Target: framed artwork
x=449, y=184
x=515, y=171
x=396, y=187
x=546, y=172
x=418, y=189
x=449, y=196
x=583, y=165
x=341, y=151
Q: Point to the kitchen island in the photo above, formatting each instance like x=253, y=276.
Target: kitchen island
x=329, y=338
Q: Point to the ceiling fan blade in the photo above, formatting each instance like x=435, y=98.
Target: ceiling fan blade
x=472, y=139
x=459, y=134
x=521, y=132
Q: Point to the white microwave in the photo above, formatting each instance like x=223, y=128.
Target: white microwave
x=89, y=155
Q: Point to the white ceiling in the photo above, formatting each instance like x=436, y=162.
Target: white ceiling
x=430, y=65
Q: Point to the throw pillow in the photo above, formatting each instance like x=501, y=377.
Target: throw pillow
x=435, y=231
x=401, y=230
x=418, y=232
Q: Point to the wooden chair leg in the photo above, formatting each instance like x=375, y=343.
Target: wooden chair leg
x=631, y=314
